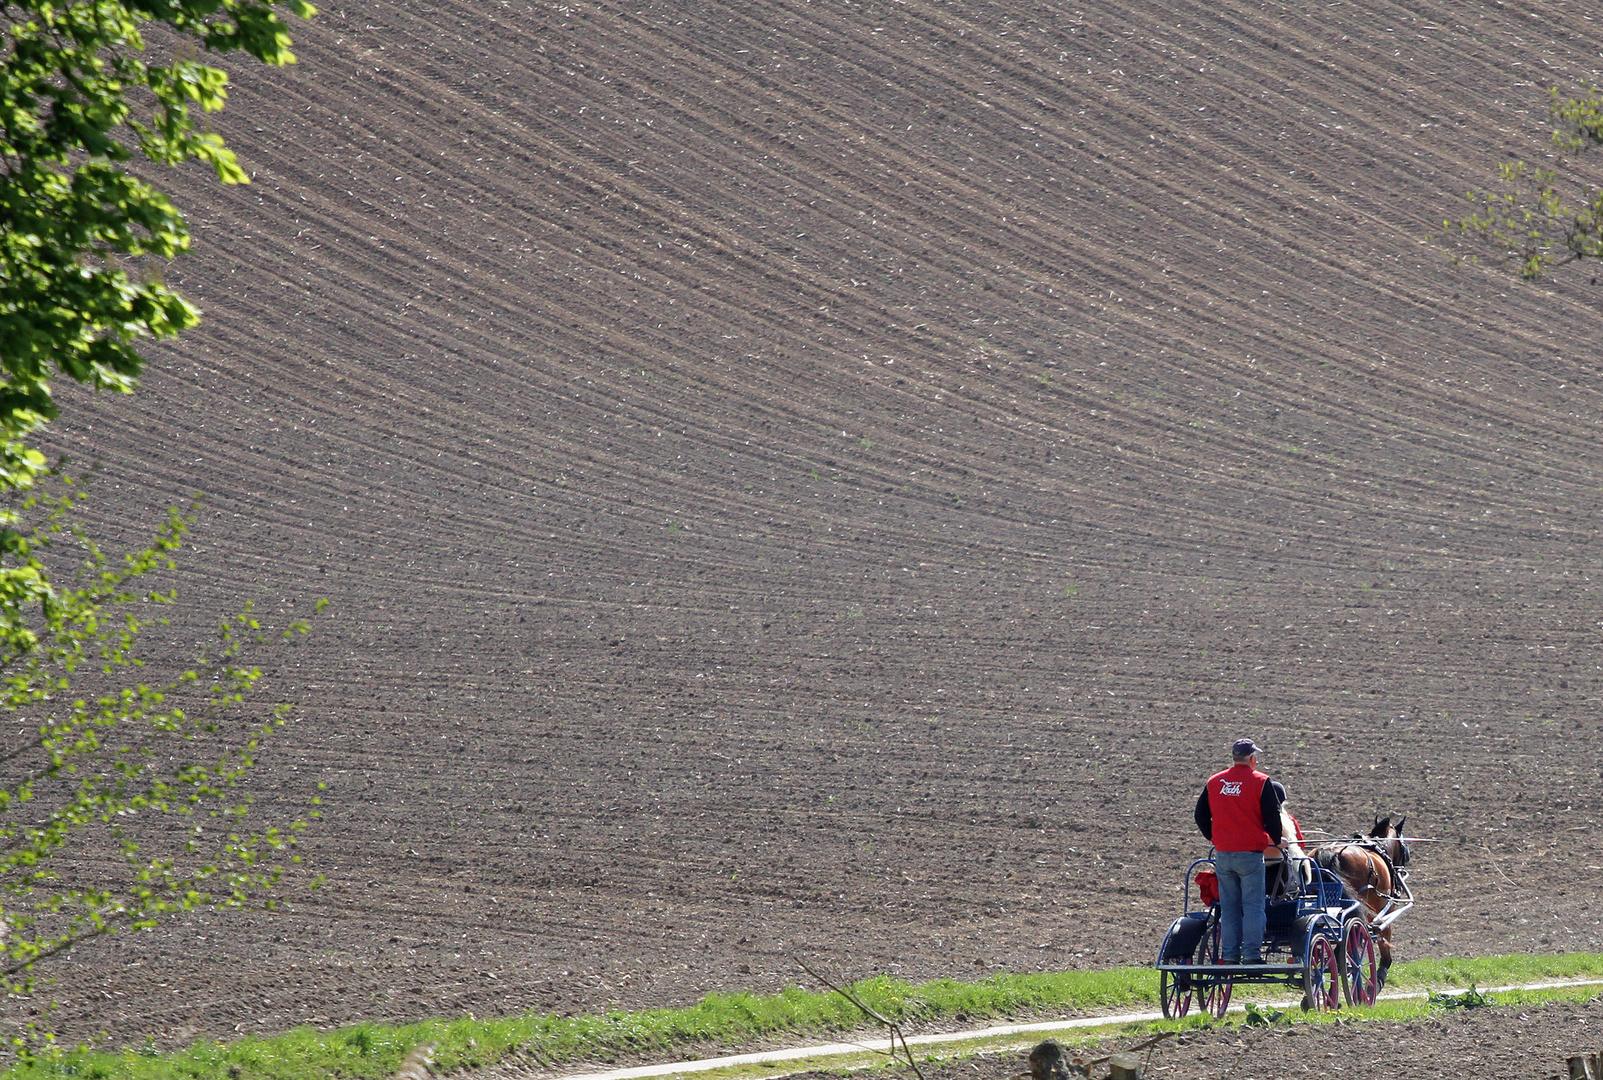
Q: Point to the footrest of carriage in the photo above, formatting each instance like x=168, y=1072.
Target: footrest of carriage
x=1259, y=969
x=1231, y=970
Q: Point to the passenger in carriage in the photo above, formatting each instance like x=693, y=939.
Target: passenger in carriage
x=1239, y=812
x=1296, y=826
x=1285, y=866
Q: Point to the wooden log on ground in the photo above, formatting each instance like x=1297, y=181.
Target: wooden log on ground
x=1124, y=1067
x=1585, y=1066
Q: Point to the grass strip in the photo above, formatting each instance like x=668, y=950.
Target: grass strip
x=374, y=1051
x=1493, y=970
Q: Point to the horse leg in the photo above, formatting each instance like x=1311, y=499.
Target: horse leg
x=1377, y=904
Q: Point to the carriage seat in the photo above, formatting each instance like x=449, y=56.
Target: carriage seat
x=1279, y=915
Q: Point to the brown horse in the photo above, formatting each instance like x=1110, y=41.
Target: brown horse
x=1373, y=870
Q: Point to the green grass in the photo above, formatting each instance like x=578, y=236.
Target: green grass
x=1494, y=970
x=375, y=1051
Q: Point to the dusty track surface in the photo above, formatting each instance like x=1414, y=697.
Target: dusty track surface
x=833, y=477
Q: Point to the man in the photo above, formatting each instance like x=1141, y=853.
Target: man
x=1239, y=811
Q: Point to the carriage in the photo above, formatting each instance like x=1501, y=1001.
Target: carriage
x=1318, y=940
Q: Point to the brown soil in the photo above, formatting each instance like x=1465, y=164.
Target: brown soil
x=1500, y=1042
x=832, y=478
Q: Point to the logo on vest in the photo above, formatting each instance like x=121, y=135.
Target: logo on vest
x=1230, y=787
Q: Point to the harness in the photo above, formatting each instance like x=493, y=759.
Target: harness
x=1398, y=900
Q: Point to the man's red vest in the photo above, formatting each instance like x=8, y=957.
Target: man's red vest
x=1235, y=799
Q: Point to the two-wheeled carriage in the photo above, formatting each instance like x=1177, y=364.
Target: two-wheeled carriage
x=1317, y=941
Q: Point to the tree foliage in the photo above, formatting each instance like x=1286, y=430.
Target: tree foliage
x=1541, y=218
x=140, y=778
x=71, y=72
x=136, y=779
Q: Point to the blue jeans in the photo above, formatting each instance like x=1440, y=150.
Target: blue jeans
x=1241, y=904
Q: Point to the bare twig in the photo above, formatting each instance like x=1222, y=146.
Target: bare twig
x=1252, y=1045
x=1150, y=1046
x=1498, y=868
x=895, y=1028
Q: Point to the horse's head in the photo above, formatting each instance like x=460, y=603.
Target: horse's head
x=1392, y=836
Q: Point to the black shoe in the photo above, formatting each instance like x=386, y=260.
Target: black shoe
x=1224, y=960
x=1253, y=960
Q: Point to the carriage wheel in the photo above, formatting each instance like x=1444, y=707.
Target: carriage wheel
x=1213, y=990
x=1176, y=1000
x=1320, y=976
x=1360, y=977
x=1176, y=988
x=1214, y=996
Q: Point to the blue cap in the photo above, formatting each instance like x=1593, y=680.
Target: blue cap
x=1242, y=749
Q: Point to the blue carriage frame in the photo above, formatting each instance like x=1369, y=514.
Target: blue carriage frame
x=1319, y=941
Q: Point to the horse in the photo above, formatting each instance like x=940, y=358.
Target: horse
x=1372, y=868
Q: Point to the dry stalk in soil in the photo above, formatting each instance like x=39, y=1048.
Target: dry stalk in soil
x=905, y=1056
x=1150, y=1046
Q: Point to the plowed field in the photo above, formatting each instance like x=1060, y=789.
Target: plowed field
x=833, y=477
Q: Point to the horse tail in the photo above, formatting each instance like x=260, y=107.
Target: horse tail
x=1330, y=859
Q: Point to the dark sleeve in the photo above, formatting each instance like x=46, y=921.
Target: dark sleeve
x=1270, y=804
x=1204, y=814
